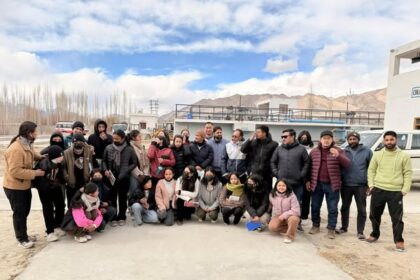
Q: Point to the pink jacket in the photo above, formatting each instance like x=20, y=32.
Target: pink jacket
x=82, y=221
x=162, y=197
x=154, y=153
x=285, y=206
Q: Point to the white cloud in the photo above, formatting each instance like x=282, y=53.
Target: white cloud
x=328, y=53
x=278, y=65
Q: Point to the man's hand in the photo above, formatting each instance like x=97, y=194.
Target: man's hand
x=334, y=152
x=403, y=193
x=369, y=191
x=107, y=173
x=160, y=160
x=308, y=186
x=39, y=173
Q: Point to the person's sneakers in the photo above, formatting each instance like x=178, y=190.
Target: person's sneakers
x=287, y=240
x=88, y=237
x=200, y=220
x=300, y=228
x=361, y=236
x=179, y=223
x=121, y=223
x=340, y=231
x=51, y=237
x=59, y=232
x=213, y=221
x=26, y=244
x=331, y=234
x=399, y=247
x=81, y=239
x=371, y=239
x=114, y=223
x=304, y=222
x=314, y=230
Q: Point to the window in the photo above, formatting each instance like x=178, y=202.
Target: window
x=142, y=125
x=402, y=141
x=416, y=123
x=415, y=143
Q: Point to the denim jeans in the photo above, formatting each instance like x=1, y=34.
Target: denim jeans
x=332, y=198
x=144, y=215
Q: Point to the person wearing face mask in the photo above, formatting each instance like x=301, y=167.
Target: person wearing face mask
x=233, y=159
x=99, y=140
x=143, y=203
x=231, y=200
x=108, y=211
x=78, y=127
x=18, y=176
x=389, y=180
x=77, y=165
x=182, y=154
x=355, y=183
x=118, y=162
x=208, y=196
x=55, y=139
x=186, y=191
x=256, y=200
x=218, y=145
x=165, y=197
x=160, y=156
x=185, y=133
x=201, y=153
x=50, y=190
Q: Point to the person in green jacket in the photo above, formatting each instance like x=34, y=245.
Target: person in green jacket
x=389, y=179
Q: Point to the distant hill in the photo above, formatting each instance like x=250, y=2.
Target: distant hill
x=368, y=101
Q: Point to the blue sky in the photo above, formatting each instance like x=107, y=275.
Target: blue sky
x=182, y=51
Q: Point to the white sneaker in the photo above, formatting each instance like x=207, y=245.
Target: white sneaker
x=26, y=244
x=287, y=241
x=81, y=239
x=200, y=220
x=88, y=237
x=59, y=232
x=213, y=221
x=304, y=222
x=51, y=237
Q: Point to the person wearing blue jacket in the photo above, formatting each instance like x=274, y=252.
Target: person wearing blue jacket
x=219, y=145
x=355, y=183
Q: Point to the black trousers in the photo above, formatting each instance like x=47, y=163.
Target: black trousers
x=183, y=212
x=359, y=194
x=52, y=200
x=119, y=192
x=306, y=204
x=20, y=202
x=237, y=213
x=70, y=192
x=395, y=208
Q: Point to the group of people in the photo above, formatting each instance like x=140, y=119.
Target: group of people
x=107, y=176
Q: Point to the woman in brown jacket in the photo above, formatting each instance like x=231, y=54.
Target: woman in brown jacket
x=19, y=173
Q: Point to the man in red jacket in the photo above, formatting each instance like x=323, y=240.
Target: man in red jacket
x=327, y=163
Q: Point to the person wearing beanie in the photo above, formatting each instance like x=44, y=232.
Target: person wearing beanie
x=328, y=161
x=55, y=139
x=85, y=213
x=78, y=127
x=99, y=140
x=50, y=190
x=355, y=183
x=259, y=149
x=78, y=163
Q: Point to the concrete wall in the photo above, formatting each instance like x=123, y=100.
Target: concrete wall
x=151, y=120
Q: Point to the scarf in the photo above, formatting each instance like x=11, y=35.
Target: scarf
x=117, y=153
x=26, y=142
x=236, y=190
x=91, y=202
x=143, y=160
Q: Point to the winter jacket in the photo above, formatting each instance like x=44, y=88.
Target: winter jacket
x=356, y=174
x=68, y=141
x=154, y=153
x=290, y=162
x=187, y=195
x=259, y=154
x=140, y=193
x=19, y=171
x=218, y=151
x=334, y=165
x=82, y=221
x=55, y=134
x=182, y=159
x=390, y=170
x=284, y=206
x=97, y=142
x=209, y=199
x=143, y=162
x=68, y=165
x=53, y=177
x=225, y=202
x=201, y=155
x=128, y=161
x=256, y=202
x=162, y=197
x=233, y=159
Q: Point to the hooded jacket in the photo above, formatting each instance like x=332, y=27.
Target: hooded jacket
x=259, y=155
x=256, y=201
x=55, y=134
x=97, y=142
x=53, y=177
x=154, y=153
x=290, y=162
x=356, y=174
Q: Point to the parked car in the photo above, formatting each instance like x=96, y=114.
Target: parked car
x=409, y=141
x=122, y=126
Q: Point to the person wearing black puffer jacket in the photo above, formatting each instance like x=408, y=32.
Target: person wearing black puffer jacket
x=259, y=148
x=256, y=200
x=201, y=153
x=55, y=139
x=182, y=155
x=118, y=162
x=99, y=140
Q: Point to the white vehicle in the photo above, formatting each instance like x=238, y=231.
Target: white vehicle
x=120, y=126
x=409, y=141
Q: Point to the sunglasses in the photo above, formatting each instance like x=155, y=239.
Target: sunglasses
x=284, y=136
